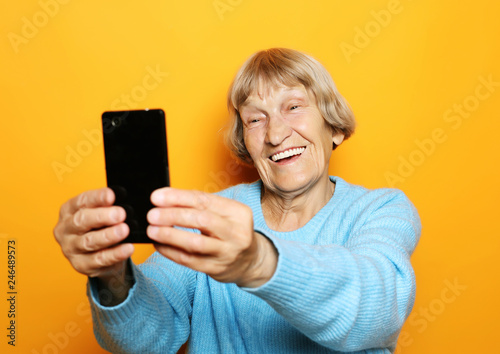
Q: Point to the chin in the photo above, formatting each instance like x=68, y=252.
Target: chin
x=292, y=184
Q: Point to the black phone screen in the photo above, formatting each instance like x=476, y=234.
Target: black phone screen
x=135, y=148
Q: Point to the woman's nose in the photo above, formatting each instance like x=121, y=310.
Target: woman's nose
x=277, y=130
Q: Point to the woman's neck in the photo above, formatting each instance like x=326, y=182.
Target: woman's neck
x=291, y=211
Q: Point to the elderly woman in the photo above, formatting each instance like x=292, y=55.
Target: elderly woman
x=296, y=262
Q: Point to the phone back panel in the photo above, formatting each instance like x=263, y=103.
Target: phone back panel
x=136, y=158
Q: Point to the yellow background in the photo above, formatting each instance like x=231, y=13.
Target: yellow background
x=402, y=75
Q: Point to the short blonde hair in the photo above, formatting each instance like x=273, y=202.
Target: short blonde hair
x=290, y=68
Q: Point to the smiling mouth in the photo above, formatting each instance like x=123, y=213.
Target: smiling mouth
x=287, y=154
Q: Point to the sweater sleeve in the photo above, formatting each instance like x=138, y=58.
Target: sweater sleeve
x=353, y=296
x=155, y=317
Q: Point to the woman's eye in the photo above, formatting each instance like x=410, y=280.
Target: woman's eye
x=294, y=107
x=252, y=121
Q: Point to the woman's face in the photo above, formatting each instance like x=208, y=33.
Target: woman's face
x=287, y=138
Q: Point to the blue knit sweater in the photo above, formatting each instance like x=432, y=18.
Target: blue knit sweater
x=344, y=283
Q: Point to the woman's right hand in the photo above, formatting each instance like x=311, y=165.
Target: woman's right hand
x=89, y=231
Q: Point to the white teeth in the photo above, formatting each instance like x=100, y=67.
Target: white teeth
x=287, y=153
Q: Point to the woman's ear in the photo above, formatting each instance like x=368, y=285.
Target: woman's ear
x=338, y=138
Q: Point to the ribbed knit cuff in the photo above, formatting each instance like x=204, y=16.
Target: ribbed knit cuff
x=121, y=313
x=288, y=280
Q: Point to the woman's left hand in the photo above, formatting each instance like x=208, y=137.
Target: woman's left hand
x=228, y=249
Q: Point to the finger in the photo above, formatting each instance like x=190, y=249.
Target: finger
x=179, y=216
x=99, y=239
x=172, y=197
x=189, y=242
x=191, y=260
x=201, y=263
x=87, y=219
x=89, y=199
x=208, y=222
x=94, y=264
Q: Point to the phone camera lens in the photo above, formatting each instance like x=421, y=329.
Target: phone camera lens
x=116, y=122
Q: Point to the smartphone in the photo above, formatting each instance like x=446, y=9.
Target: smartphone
x=135, y=150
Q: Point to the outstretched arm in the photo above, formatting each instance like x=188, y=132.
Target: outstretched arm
x=355, y=296
x=155, y=316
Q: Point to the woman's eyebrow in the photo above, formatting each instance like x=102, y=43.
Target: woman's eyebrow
x=296, y=96
x=289, y=93
x=248, y=106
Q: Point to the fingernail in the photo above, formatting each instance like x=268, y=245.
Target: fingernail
x=116, y=214
x=153, y=215
x=152, y=231
x=113, y=215
x=121, y=230
x=127, y=249
x=157, y=196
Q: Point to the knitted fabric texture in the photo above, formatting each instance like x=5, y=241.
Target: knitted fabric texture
x=343, y=283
